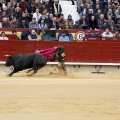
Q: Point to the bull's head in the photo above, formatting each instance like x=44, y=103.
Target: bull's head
x=9, y=61
x=59, y=54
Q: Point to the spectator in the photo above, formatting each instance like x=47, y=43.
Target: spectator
x=89, y=7
x=3, y=37
x=37, y=15
x=17, y=4
x=33, y=36
x=49, y=20
x=97, y=8
x=82, y=9
x=48, y=6
x=13, y=2
x=90, y=13
x=43, y=17
x=17, y=13
x=5, y=9
x=33, y=23
x=15, y=33
x=70, y=20
x=23, y=17
x=97, y=15
x=61, y=20
x=23, y=5
x=84, y=22
x=97, y=33
x=93, y=22
x=107, y=33
x=100, y=21
x=23, y=23
x=28, y=16
x=54, y=24
x=42, y=7
x=117, y=22
x=11, y=15
x=3, y=16
x=89, y=33
x=42, y=24
x=117, y=12
x=13, y=23
x=117, y=34
x=77, y=25
x=105, y=25
x=64, y=37
x=56, y=9
x=110, y=13
x=31, y=8
x=111, y=23
x=72, y=2
x=66, y=25
x=115, y=4
x=37, y=3
x=4, y=3
x=5, y=23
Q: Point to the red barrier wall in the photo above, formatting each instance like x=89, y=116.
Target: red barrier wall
x=89, y=51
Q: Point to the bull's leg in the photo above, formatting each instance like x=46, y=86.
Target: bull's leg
x=14, y=71
x=35, y=68
x=10, y=74
x=35, y=71
x=29, y=70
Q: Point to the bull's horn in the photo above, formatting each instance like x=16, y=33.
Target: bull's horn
x=7, y=55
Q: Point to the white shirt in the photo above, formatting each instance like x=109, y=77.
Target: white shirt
x=36, y=16
x=107, y=35
x=3, y=38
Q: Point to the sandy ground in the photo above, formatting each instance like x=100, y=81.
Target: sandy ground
x=82, y=96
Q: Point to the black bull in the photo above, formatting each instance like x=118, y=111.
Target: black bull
x=32, y=61
x=25, y=61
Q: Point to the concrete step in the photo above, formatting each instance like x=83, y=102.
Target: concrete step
x=67, y=9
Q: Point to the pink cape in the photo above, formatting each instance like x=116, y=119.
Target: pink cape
x=46, y=52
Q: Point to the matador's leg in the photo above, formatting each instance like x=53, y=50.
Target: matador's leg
x=61, y=68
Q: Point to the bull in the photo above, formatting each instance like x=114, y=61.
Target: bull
x=26, y=61
x=34, y=61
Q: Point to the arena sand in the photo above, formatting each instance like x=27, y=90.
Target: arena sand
x=82, y=96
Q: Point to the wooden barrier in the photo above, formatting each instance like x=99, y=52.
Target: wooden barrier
x=11, y=36
x=88, y=52
x=70, y=30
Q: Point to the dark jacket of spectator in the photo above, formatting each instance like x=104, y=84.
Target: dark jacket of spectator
x=100, y=23
x=77, y=25
x=93, y=24
x=105, y=26
x=17, y=14
x=53, y=25
x=23, y=24
x=32, y=9
x=84, y=23
x=56, y=10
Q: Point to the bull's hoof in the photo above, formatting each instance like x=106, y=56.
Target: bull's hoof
x=27, y=71
x=9, y=75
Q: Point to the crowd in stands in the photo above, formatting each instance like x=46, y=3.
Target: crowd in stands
x=46, y=15
x=100, y=14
